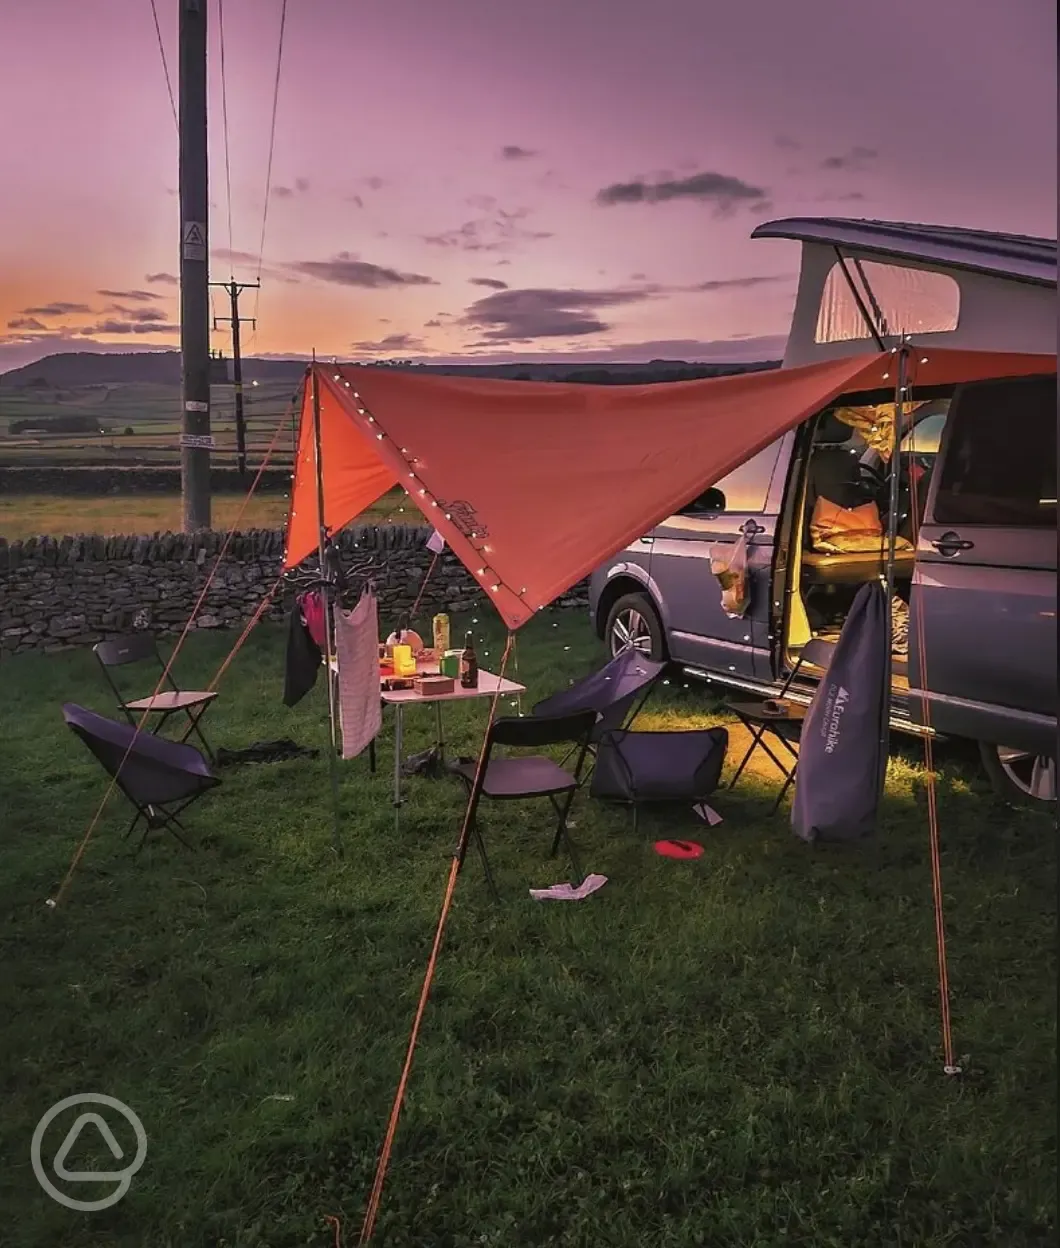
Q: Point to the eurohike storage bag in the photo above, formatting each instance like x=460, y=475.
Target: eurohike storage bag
x=837, y=779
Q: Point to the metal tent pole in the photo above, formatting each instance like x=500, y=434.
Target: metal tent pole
x=902, y=352
x=329, y=616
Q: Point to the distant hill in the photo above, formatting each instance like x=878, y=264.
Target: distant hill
x=161, y=368
x=86, y=368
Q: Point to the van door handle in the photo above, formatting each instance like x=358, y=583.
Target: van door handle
x=950, y=543
x=647, y=541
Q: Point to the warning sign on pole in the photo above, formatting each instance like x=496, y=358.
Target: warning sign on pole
x=194, y=240
x=197, y=441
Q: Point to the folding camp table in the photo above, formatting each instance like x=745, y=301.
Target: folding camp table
x=488, y=685
x=780, y=718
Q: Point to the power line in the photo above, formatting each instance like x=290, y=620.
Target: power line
x=224, y=122
x=165, y=66
x=272, y=147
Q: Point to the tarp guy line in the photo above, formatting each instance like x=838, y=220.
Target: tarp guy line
x=53, y=902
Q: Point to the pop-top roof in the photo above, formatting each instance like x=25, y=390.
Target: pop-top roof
x=1014, y=256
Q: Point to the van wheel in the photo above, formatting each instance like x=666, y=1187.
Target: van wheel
x=633, y=621
x=1023, y=779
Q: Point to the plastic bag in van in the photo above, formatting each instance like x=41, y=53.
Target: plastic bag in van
x=731, y=571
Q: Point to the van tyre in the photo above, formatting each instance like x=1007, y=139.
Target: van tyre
x=1020, y=778
x=634, y=620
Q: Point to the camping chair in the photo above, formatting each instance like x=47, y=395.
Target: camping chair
x=645, y=768
x=508, y=779
x=141, y=647
x=159, y=777
x=616, y=693
x=780, y=719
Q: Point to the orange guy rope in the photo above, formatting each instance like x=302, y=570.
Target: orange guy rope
x=950, y=1066
x=372, y=1212
x=259, y=611
x=79, y=853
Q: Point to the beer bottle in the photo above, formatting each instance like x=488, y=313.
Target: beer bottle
x=469, y=664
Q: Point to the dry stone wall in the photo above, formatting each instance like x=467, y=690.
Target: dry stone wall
x=61, y=592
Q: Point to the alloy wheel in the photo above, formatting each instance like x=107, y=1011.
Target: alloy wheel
x=630, y=628
x=1032, y=774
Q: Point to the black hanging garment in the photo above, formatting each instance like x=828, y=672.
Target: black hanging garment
x=303, y=658
x=837, y=779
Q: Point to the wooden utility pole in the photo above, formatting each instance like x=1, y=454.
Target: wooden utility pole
x=195, y=438
x=234, y=289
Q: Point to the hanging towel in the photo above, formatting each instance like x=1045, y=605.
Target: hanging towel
x=360, y=695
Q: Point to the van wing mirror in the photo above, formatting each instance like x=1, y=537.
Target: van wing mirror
x=710, y=502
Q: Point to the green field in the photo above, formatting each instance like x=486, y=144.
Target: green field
x=151, y=411
x=736, y=1052
x=35, y=515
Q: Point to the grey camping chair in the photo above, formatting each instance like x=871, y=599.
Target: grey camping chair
x=159, y=777
x=510, y=779
x=142, y=648
x=779, y=719
x=655, y=768
x=615, y=693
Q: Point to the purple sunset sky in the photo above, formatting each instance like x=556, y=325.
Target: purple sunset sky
x=503, y=179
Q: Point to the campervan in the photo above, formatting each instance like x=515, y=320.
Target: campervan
x=974, y=611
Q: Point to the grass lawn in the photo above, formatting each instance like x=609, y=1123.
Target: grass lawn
x=740, y=1050
x=31, y=515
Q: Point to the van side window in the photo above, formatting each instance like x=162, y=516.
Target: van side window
x=1000, y=464
x=746, y=488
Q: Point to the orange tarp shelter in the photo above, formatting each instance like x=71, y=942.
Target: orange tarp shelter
x=534, y=484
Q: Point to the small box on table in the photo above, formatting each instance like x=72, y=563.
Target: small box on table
x=433, y=686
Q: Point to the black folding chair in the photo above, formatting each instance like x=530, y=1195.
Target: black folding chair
x=140, y=648
x=509, y=779
x=647, y=768
x=160, y=778
x=780, y=719
x=616, y=693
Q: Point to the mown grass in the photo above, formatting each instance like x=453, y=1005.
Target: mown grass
x=741, y=1050
x=33, y=515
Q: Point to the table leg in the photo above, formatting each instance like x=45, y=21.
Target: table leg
x=441, y=732
x=398, y=748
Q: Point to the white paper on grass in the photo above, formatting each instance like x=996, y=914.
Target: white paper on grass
x=567, y=892
x=708, y=814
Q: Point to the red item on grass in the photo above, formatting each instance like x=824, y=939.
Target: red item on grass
x=679, y=849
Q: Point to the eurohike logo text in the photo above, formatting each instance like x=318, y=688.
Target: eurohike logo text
x=835, y=705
